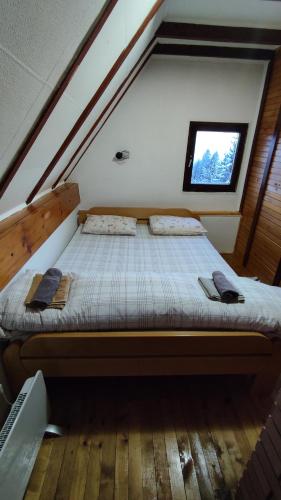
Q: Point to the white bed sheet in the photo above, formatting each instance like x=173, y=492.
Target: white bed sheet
x=87, y=254
x=142, y=282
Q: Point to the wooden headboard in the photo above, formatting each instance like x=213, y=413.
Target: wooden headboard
x=24, y=232
x=140, y=213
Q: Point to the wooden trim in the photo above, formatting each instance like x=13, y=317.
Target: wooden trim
x=56, y=95
x=139, y=213
x=95, y=98
x=142, y=214
x=218, y=213
x=101, y=344
x=92, y=129
x=266, y=173
x=257, y=129
x=14, y=369
x=162, y=353
x=23, y=233
x=146, y=366
x=213, y=51
x=235, y=34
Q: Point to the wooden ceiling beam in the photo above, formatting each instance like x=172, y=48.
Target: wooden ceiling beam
x=95, y=98
x=212, y=33
x=55, y=96
x=213, y=51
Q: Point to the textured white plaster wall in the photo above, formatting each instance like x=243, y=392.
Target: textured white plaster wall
x=37, y=41
x=36, y=37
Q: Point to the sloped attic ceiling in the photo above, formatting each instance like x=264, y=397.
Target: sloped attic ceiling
x=38, y=42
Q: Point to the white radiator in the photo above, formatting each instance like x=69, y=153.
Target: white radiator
x=21, y=436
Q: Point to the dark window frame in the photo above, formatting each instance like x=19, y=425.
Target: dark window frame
x=195, y=127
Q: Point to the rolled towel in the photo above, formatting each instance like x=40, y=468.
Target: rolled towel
x=60, y=298
x=46, y=289
x=226, y=289
x=212, y=293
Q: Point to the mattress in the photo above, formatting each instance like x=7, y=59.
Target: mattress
x=141, y=283
x=143, y=301
x=87, y=254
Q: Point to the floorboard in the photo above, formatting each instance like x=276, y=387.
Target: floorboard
x=181, y=438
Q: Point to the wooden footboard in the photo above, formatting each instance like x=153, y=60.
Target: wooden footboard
x=88, y=354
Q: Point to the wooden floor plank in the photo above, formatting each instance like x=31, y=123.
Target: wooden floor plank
x=92, y=486
x=67, y=468
x=122, y=452
x=147, y=453
x=49, y=485
x=80, y=467
x=235, y=443
x=205, y=485
x=249, y=420
x=209, y=450
x=160, y=457
x=172, y=451
x=146, y=439
x=240, y=431
x=188, y=471
x=135, y=458
x=214, y=423
x=108, y=443
x=37, y=479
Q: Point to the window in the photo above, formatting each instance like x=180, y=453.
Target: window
x=214, y=155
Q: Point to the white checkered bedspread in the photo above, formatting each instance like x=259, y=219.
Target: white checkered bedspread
x=142, y=283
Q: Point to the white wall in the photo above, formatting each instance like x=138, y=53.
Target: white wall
x=222, y=231
x=152, y=122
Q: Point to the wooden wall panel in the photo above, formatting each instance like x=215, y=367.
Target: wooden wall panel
x=24, y=232
x=265, y=251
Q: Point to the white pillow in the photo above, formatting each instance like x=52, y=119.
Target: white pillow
x=110, y=224
x=175, y=226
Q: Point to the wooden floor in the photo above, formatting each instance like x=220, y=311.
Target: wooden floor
x=140, y=439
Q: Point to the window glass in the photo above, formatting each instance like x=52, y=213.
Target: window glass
x=214, y=155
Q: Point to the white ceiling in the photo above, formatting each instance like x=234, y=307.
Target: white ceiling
x=260, y=13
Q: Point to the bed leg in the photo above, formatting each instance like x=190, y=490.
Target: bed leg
x=266, y=380
x=15, y=371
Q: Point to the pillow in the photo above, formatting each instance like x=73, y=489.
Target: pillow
x=175, y=226
x=110, y=224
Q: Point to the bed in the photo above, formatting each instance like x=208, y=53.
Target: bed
x=144, y=349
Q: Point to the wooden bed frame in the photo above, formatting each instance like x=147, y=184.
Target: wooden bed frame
x=139, y=353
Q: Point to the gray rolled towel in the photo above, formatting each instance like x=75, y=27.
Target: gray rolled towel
x=226, y=289
x=46, y=289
